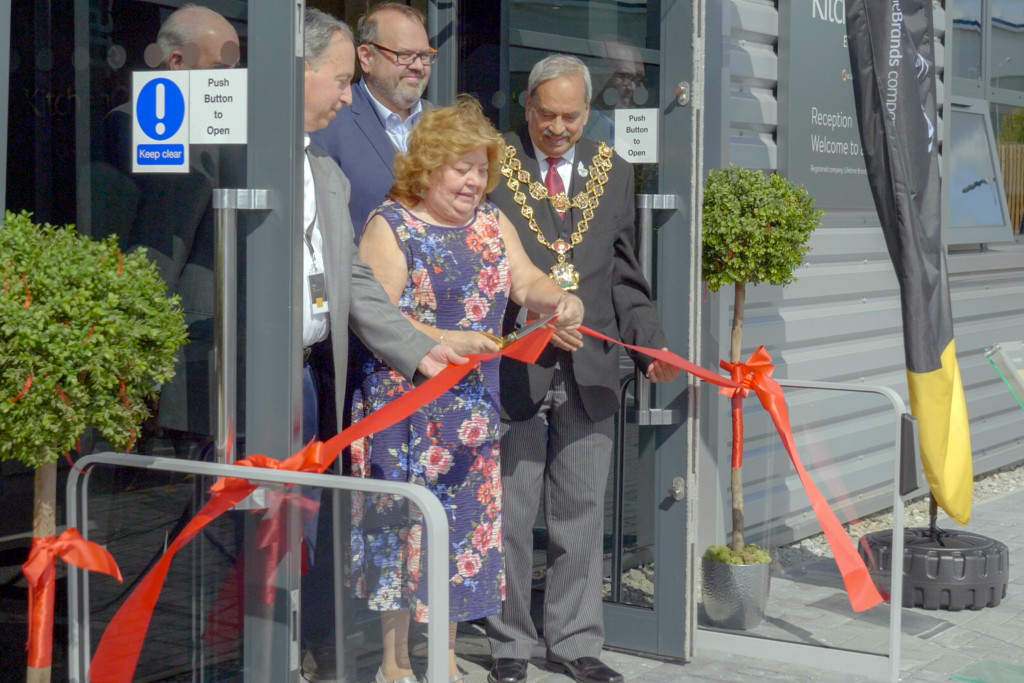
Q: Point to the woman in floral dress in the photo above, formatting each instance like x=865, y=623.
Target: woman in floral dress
x=450, y=261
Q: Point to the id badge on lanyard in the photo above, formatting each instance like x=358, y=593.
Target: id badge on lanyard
x=316, y=280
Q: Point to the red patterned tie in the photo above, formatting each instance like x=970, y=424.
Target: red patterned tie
x=553, y=181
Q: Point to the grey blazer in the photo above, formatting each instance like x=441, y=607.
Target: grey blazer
x=357, y=300
x=616, y=297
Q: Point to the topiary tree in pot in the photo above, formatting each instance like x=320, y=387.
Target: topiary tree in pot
x=87, y=334
x=755, y=230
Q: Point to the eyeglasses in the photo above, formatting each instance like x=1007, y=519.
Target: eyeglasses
x=407, y=58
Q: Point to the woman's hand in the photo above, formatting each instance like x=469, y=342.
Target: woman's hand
x=465, y=342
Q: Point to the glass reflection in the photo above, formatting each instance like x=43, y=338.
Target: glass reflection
x=973, y=189
x=1007, y=59
x=1008, y=123
x=967, y=48
x=807, y=600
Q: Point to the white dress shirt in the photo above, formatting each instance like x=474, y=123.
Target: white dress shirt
x=397, y=129
x=315, y=325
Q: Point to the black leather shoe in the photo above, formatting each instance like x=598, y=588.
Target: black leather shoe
x=320, y=665
x=507, y=670
x=589, y=670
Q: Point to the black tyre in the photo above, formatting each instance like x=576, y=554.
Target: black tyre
x=955, y=570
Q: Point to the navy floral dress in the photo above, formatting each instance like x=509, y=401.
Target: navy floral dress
x=458, y=280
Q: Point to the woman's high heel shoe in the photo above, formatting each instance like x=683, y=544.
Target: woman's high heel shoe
x=404, y=679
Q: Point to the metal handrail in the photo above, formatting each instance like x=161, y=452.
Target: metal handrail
x=862, y=662
x=434, y=518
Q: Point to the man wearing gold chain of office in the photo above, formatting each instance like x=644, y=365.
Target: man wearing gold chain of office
x=572, y=202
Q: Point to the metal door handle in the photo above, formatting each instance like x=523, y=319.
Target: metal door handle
x=678, y=489
x=226, y=205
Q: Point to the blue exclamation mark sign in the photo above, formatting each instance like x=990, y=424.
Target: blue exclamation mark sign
x=161, y=107
x=160, y=112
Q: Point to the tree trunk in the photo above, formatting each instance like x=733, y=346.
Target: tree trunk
x=735, y=349
x=44, y=525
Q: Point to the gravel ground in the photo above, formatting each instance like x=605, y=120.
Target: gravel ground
x=986, y=487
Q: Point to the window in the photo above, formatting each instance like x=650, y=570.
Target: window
x=1007, y=45
x=985, y=131
x=977, y=212
x=1008, y=124
x=967, y=45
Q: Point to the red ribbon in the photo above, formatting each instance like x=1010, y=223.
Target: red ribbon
x=756, y=375
x=118, y=653
x=272, y=536
x=41, y=571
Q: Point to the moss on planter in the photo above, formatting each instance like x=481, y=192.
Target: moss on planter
x=751, y=554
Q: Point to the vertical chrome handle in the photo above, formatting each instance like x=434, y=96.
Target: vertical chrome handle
x=647, y=203
x=226, y=204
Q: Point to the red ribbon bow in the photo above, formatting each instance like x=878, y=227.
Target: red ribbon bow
x=41, y=571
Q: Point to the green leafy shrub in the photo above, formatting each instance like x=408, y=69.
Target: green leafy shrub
x=86, y=335
x=756, y=228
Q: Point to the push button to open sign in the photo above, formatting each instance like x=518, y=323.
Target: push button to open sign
x=160, y=111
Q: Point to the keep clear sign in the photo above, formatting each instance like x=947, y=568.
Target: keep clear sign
x=160, y=124
x=636, y=135
x=173, y=109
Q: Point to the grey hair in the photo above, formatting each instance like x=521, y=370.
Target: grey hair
x=320, y=27
x=367, y=27
x=555, y=66
x=175, y=34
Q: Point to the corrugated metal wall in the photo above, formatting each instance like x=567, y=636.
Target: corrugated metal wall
x=841, y=321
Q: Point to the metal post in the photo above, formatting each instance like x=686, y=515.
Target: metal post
x=442, y=24
x=226, y=203
x=5, y=55
x=647, y=203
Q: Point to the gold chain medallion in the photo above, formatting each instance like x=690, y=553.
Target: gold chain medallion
x=563, y=272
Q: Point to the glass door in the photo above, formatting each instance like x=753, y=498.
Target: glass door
x=640, y=54
x=218, y=78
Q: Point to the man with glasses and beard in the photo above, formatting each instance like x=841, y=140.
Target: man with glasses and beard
x=395, y=57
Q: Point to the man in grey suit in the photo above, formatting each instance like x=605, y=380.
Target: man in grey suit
x=395, y=57
x=559, y=414
x=339, y=291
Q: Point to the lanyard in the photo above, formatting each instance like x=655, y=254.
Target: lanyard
x=308, y=238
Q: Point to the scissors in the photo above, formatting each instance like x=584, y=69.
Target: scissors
x=516, y=335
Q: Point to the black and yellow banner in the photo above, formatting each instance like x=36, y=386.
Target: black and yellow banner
x=891, y=46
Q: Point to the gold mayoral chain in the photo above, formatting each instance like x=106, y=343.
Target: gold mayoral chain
x=563, y=272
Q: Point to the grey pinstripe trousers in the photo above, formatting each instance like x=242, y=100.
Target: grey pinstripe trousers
x=563, y=454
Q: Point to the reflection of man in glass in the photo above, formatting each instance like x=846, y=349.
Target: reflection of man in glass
x=623, y=86
x=197, y=38
x=171, y=217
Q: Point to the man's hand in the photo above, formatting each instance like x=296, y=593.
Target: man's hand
x=660, y=371
x=567, y=340
x=438, y=358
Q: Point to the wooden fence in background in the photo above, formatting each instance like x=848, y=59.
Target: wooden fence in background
x=1011, y=159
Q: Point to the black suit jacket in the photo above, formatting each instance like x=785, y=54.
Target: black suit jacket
x=615, y=294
